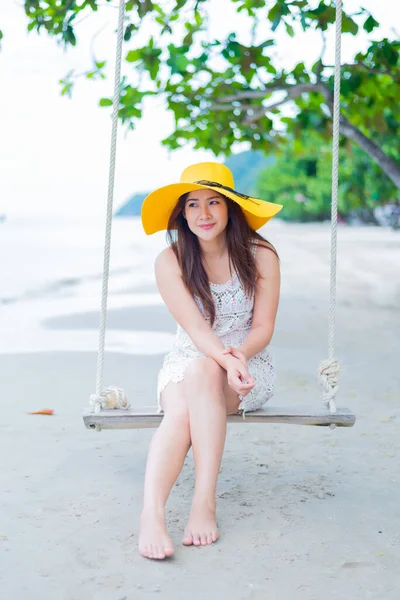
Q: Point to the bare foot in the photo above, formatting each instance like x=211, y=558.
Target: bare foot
x=202, y=526
x=154, y=541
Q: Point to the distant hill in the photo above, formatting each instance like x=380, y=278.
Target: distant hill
x=245, y=168
x=132, y=206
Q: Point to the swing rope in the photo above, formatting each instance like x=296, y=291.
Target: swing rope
x=99, y=399
x=329, y=368
x=328, y=372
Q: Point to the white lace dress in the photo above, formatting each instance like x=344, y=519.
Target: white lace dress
x=234, y=312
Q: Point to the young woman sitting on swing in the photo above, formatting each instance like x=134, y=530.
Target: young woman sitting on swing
x=220, y=280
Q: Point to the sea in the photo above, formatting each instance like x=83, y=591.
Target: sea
x=52, y=267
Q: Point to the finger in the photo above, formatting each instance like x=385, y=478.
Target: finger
x=246, y=377
x=241, y=386
x=247, y=384
x=236, y=383
x=245, y=388
x=244, y=392
x=233, y=351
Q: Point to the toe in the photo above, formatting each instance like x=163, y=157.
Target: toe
x=196, y=539
x=203, y=539
x=168, y=550
x=209, y=538
x=187, y=539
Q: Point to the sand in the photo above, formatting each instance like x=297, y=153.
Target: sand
x=304, y=512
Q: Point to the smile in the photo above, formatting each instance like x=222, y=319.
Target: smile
x=207, y=227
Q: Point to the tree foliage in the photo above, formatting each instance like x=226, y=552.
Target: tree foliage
x=232, y=89
x=300, y=179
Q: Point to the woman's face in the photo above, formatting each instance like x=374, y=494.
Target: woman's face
x=206, y=213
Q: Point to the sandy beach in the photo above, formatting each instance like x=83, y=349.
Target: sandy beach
x=305, y=513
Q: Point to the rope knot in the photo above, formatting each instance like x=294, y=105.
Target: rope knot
x=110, y=397
x=328, y=376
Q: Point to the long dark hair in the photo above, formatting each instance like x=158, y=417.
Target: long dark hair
x=240, y=238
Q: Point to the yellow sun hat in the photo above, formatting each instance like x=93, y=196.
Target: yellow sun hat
x=158, y=205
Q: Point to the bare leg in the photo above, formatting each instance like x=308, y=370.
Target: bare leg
x=167, y=453
x=209, y=399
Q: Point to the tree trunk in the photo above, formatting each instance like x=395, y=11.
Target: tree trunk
x=387, y=164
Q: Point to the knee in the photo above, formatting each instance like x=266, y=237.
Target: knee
x=179, y=413
x=204, y=370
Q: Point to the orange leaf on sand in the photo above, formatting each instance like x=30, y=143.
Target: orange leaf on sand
x=43, y=411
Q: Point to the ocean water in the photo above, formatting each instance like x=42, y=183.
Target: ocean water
x=53, y=267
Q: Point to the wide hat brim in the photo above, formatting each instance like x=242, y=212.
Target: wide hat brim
x=158, y=206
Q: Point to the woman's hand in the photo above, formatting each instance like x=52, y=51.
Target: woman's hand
x=239, y=378
x=236, y=353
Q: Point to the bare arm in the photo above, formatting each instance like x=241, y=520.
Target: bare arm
x=184, y=309
x=265, y=303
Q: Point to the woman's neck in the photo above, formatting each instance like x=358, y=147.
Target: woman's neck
x=215, y=249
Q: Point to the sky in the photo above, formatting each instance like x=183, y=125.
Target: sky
x=54, y=152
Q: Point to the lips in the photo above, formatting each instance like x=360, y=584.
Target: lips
x=207, y=227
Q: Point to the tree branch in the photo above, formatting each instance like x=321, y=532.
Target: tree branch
x=250, y=119
x=387, y=164
x=367, y=68
x=298, y=88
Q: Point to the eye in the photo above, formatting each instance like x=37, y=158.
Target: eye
x=214, y=202
x=191, y=204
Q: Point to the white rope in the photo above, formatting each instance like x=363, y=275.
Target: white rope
x=329, y=369
x=112, y=395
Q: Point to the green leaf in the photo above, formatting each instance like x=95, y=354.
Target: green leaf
x=106, y=102
x=289, y=29
x=324, y=15
x=267, y=43
x=69, y=36
x=390, y=54
x=275, y=15
x=179, y=4
x=153, y=70
x=348, y=25
x=370, y=24
x=128, y=31
x=320, y=9
x=178, y=63
x=317, y=66
x=133, y=56
x=67, y=86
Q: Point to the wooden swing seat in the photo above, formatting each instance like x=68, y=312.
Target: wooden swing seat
x=129, y=419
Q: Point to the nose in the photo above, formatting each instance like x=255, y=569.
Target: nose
x=205, y=212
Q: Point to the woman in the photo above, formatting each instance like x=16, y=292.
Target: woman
x=220, y=281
